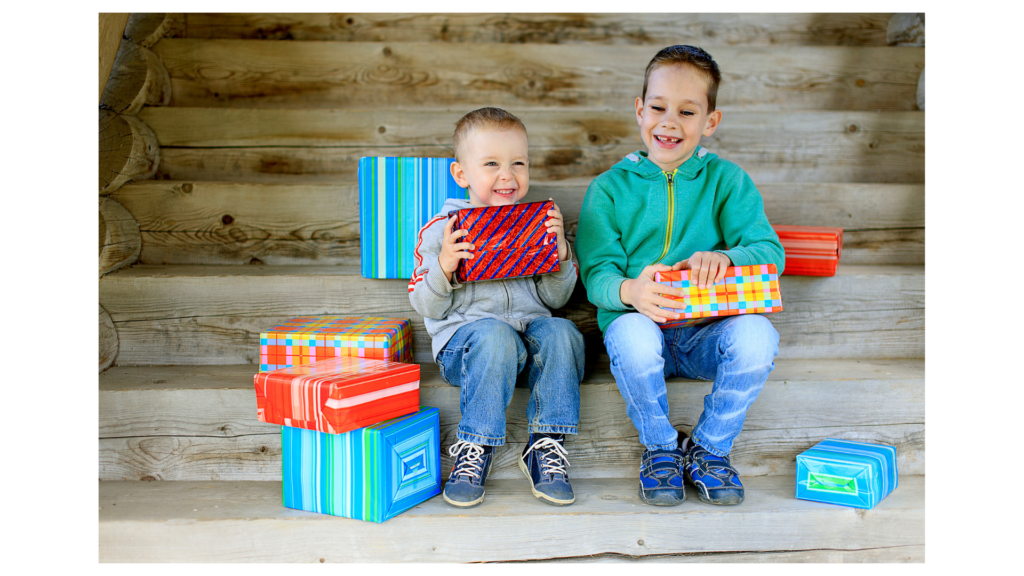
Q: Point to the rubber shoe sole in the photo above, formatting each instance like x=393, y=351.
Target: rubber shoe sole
x=540, y=495
x=640, y=492
x=473, y=503
x=731, y=499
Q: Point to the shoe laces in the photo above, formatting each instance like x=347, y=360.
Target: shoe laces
x=470, y=460
x=553, y=456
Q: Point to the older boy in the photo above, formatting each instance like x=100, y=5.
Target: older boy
x=486, y=333
x=678, y=203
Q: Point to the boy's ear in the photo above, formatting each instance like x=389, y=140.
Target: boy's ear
x=639, y=111
x=714, y=119
x=459, y=175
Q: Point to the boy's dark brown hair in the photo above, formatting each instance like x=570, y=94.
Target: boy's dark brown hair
x=691, y=56
x=494, y=118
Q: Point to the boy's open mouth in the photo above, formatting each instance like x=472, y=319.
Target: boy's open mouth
x=667, y=140
x=505, y=191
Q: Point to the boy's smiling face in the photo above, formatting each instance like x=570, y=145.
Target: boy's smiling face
x=494, y=166
x=674, y=115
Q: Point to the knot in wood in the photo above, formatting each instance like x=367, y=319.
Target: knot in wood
x=860, y=82
x=640, y=542
x=227, y=219
x=263, y=449
x=349, y=21
x=387, y=51
x=592, y=137
x=381, y=130
x=851, y=128
x=186, y=188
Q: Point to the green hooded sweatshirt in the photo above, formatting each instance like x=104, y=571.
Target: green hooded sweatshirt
x=635, y=215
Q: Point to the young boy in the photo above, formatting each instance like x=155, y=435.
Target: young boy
x=678, y=207
x=484, y=334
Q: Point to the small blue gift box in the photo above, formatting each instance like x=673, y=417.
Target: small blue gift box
x=847, y=473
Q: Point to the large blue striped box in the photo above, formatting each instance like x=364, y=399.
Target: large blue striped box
x=397, y=197
x=372, y=473
x=847, y=473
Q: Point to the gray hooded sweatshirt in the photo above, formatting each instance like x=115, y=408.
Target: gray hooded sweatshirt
x=446, y=307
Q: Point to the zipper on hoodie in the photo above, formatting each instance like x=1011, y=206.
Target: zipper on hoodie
x=671, y=214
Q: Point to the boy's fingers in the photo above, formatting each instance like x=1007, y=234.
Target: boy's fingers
x=681, y=265
x=449, y=224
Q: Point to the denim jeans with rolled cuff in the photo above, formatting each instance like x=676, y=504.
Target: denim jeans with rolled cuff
x=736, y=353
x=485, y=358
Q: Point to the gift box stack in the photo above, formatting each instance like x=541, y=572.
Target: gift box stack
x=355, y=441
x=744, y=290
x=811, y=250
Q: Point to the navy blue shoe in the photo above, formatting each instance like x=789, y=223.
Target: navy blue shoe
x=661, y=481
x=465, y=487
x=544, y=461
x=717, y=482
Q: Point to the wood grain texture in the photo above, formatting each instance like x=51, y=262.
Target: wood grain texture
x=205, y=417
x=653, y=30
x=905, y=29
x=403, y=75
x=316, y=223
x=213, y=314
x=325, y=145
x=245, y=522
x=889, y=554
x=111, y=28
x=119, y=241
x=137, y=78
x=107, y=340
x=147, y=28
x=128, y=151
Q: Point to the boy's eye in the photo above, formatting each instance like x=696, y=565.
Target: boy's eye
x=491, y=164
x=658, y=108
x=687, y=113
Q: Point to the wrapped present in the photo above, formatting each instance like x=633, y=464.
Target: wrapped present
x=338, y=394
x=811, y=250
x=397, y=197
x=508, y=241
x=373, y=473
x=847, y=473
x=312, y=338
x=744, y=290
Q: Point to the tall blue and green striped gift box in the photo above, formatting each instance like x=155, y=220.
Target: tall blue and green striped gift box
x=397, y=197
x=848, y=473
x=372, y=473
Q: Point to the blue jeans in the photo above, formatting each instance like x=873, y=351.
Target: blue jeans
x=737, y=353
x=484, y=359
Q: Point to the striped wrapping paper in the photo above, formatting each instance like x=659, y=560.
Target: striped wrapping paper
x=372, y=473
x=811, y=250
x=338, y=394
x=744, y=290
x=312, y=338
x=848, y=473
x=397, y=197
x=508, y=241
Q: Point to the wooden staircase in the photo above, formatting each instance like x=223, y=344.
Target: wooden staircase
x=252, y=219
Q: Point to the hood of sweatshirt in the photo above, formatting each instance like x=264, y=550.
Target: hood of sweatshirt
x=638, y=163
x=455, y=204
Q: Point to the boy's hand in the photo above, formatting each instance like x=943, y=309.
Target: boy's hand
x=707, y=267
x=452, y=251
x=555, y=225
x=644, y=294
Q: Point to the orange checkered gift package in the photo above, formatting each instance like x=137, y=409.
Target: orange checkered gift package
x=313, y=338
x=744, y=290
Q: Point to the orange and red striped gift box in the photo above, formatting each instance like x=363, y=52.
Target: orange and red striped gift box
x=811, y=250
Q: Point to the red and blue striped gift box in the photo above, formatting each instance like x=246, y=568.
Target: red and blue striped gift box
x=509, y=241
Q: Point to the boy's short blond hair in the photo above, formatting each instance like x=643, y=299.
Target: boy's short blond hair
x=683, y=55
x=493, y=118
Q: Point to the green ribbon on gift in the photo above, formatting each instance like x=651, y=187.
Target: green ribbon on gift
x=829, y=483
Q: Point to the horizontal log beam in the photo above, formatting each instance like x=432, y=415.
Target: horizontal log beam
x=119, y=241
x=138, y=78
x=128, y=151
x=107, y=340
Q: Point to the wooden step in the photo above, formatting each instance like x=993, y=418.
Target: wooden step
x=214, y=314
x=246, y=522
x=199, y=422
x=245, y=145
x=404, y=75
x=234, y=223
x=630, y=29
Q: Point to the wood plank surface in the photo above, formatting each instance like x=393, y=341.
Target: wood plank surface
x=653, y=30
x=107, y=340
x=137, y=78
x=198, y=423
x=111, y=27
x=245, y=522
x=234, y=223
x=890, y=554
x=119, y=239
x=128, y=150
x=325, y=145
x=403, y=75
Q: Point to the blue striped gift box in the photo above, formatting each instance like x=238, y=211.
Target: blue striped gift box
x=848, y=473
x=397, y=197
x=372, y=473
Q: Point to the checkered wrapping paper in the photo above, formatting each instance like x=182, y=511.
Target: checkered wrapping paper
x=744, y=290
x=312, y=338
x=509, y=241
x=372, y=473
x=397, y=197
x=338, y=394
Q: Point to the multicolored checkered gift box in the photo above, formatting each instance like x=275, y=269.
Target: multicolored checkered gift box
x=397, y=197
x=312, y=338
x=338, y=394
x=744, y=290
x=372, y=473
x=508, y=241
x=848, y=473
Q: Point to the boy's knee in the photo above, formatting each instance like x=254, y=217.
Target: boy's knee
x=496, y=339
x=564, y=333
x=752, y=338
x=634, y=335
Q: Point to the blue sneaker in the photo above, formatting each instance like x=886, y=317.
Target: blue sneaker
x=544, y=462
x=717, y=482
x=465, y=486
x=661, y=483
